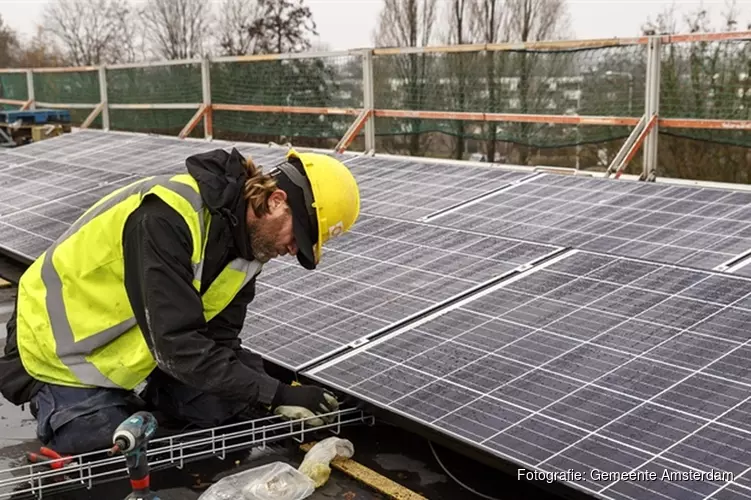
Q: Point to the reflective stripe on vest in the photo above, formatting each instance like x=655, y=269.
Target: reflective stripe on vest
x=235, y=276
x=181, y=192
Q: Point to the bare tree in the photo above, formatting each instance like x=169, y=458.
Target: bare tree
x=704, y=80
x=406, y=23
x=134, y=45
x=91, y=32
x=41, y=51
x=488, y=18
x=535, y=20
x=9, y=45
x=529, y=21
x=177, y=29
x=284, y=26
x=664, y=23
x=461, y=66
x=237, y=30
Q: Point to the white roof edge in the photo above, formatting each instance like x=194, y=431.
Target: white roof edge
x=552, y=169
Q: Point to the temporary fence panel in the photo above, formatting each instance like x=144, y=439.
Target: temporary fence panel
x=161, y=97
x=14, y=88
x=317, y=96
x=513, y=103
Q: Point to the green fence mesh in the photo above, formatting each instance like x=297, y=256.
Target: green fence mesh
x=698, y=81
x=593, y=82
x=608, y=81
x=710, y=80
x=319, y=82
x=155, y=85
x=155, y=121
x=13, y=86
x=707, y=80
x=77, y=87
x=279, y=126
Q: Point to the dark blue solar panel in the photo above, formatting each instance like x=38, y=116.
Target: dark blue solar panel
x=695, y=227
x=383, y=272
x=587, y=362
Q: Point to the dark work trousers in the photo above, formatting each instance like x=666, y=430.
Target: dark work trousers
x=78, y=420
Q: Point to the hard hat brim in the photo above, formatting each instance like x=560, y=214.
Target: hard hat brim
x=301, y=225
x=305, y=252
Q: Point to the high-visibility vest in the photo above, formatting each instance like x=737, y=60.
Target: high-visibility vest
x=75, y=324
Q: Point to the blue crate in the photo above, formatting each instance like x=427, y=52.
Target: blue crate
x=36, y=116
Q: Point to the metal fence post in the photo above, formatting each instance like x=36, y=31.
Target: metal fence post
x=656, y=87
x=206, y=88
x=647, y=110
x=652, y=106
x=30, y=88
x=368, y=98
x=103, y=99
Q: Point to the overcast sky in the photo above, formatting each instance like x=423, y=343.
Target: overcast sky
x=346, y=24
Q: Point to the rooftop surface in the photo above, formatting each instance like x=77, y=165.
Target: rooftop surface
x=563, y=377
x=386, y=449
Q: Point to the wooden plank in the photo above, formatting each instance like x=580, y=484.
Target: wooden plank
x=92, y=116
x=382, y=484
x=508, y=117
x=717, y=124
x=188, y=128
x=353, y=130
x=258, y=108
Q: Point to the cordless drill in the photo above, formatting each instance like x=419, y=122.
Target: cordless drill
x=131, y=438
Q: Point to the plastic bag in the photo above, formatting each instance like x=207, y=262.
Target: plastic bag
x=280, y=481
x=315, y=465
x=275, y=481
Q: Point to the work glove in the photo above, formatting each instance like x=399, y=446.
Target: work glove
x=304, y=401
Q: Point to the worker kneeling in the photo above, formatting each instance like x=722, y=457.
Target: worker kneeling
x=151, y=285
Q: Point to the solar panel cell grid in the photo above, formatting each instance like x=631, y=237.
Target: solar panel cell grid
x=22, y=243
x=591, y=362
x=32, y=223
x=47, y=185
x=366, y=284
x=74, y=143
x=412, y=190
x=142, y=159
x=580, y=364
x=694, y=227
x=133, y=153
x=8, y=159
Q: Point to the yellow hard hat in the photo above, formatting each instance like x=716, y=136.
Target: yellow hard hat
x=331, y=200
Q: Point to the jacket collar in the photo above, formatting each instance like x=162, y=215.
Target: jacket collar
x=221, y=179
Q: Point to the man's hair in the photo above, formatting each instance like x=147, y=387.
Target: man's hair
x=258, y=188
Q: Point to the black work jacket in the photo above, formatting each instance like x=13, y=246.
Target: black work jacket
x=157, y=252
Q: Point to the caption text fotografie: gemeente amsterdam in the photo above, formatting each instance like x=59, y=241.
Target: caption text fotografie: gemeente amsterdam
x=634, y=475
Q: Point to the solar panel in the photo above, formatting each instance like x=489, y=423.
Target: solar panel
x=743, y=270
x=382, y=272
x=695, y=227
x=8, y=159
x=27, y=232
x=45, y=186
x=584, y=362
x=587, y=362
x=33, y=183
x=136, y=154
x=74, y=143
x=413, y=189
x=86, y=160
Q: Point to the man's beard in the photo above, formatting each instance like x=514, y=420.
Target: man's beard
x=262, y=242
